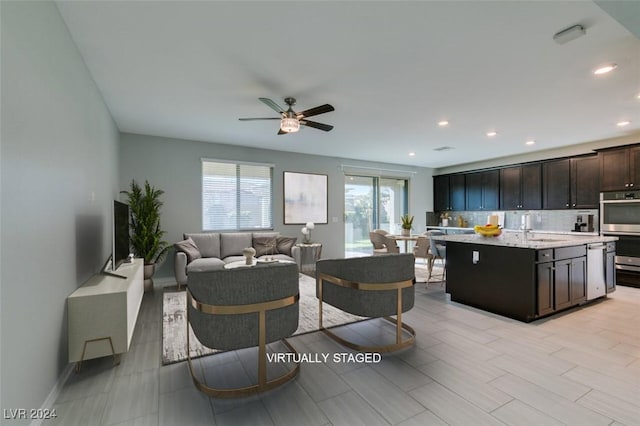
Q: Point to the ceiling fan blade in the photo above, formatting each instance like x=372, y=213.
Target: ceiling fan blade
x=316, y=125
x=315, y=111
x=282, y=132
x=260, y=118
x=268, y=102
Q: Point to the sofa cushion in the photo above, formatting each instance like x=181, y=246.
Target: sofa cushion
x=279, y=257
x=284, y=244
x=207, y=242
x=266, y=234
x=232, y=243
x=230, y=259
x=189, y=248
x=265, y=245
x=205, y=264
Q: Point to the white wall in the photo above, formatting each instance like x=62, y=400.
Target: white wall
x=58, y=180
x=173, y=165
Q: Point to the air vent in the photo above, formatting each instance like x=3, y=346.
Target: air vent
x=443, y=148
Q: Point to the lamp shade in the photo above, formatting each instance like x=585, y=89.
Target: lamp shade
x=289, y=125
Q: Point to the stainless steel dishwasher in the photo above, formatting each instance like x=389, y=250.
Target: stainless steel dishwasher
x=596, y=278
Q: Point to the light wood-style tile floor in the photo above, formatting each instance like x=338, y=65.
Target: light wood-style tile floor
x=468, y=367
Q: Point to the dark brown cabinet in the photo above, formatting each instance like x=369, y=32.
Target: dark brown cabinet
x=619, y=168
x=571, y=183
x=585, y=182
x=561, y=278
x=449, y=192
x=556, y=176
x=482, y=190
x=521, y=187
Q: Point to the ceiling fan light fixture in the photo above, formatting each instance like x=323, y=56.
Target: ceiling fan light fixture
x=605, y=69
x=289, y=125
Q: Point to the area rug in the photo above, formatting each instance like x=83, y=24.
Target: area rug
x=174, y=322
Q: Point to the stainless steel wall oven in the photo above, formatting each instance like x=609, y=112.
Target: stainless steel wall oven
x=620, y=217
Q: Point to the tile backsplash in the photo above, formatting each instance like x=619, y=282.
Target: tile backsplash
x=542, y=220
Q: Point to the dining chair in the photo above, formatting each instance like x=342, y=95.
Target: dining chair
x=377, y=240
x=438, y=251
x=421, y=249
x=391, y=244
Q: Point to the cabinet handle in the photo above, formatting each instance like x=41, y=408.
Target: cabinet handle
x=626, y=185
x=567, y=205
x=574, y=204
x=630, y=184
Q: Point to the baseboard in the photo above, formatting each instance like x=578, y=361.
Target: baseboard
x=55, y=392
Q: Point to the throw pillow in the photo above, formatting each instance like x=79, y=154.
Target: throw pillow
x=284, y=244
x=189, y=248
x=264, y=245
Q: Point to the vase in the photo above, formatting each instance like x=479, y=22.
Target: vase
x=149, y=270
x=405, y=232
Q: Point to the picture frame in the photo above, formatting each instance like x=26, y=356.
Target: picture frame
x=305, y=198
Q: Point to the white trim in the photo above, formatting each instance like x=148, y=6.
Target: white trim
x=244, y=163
x=351, y=168
x=55, y=392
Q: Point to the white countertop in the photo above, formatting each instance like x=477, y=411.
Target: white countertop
x=535, y=240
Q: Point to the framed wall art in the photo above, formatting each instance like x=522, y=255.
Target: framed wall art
x=305, y=198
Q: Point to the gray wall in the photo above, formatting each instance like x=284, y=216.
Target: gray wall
x=58, y=180
x=173, y=165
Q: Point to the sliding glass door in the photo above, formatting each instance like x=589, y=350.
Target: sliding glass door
x=371, y=202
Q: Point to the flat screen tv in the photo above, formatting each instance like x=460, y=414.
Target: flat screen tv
x=120, y=252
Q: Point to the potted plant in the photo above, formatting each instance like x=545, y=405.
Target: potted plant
x=407, y=224
x=146, y=234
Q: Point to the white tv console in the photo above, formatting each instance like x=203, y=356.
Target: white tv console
x=103, y=312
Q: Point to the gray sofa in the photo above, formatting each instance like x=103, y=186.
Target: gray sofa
x=210, y=251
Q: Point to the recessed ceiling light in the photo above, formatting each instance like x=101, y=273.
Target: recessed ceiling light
x=443, y=123
x=623, y=123
x=638, y=96
x=412, y=154
x=605, y=69
x=492, y=133
x=530, y=142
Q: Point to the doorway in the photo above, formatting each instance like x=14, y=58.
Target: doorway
x=372, y=202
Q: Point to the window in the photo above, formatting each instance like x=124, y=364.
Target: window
x=236, y=196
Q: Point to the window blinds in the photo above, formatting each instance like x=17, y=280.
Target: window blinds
x=236, y=196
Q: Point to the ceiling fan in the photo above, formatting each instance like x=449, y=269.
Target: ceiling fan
x=290, y=121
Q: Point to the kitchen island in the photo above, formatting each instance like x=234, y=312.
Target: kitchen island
x=524, y=276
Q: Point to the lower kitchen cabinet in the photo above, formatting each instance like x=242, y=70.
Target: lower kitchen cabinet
x=561, y=283
x=545, y=288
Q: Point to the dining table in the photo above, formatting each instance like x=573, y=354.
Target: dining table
x=406, y=239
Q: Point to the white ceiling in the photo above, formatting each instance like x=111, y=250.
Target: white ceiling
x=391, y=69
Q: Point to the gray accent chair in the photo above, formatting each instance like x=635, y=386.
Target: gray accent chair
x=240, y=308
x=373, y=286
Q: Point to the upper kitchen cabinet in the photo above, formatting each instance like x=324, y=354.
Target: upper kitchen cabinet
x=482, y=190
x=521, y=187
x=585, y=182
x=449, y=192
x=619, y=168
x=556, y=187
x=570, y=183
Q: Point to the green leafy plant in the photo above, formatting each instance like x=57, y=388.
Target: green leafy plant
x=146, y=234
x=407, y=221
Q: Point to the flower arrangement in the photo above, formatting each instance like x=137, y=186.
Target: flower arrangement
x=306, y=232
